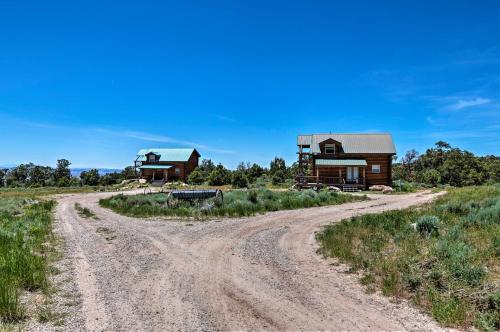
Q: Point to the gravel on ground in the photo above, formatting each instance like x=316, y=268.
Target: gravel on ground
x=255, y=273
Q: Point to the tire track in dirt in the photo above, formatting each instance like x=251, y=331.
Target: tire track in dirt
x=256, y=273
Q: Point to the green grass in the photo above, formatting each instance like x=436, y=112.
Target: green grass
x=237, y=203
x=443, y=256
x=42, y=191
x=25, y=229
x=46, y=314
x=85, y=212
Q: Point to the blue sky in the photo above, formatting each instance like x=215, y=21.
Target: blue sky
x=94, y=81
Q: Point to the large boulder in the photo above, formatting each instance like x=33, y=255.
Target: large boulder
x=380, y=187
x=377, y=187
x=142, y=181
x=387, y=190
x=333, y=188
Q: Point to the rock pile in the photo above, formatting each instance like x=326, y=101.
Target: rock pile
x=380, y=187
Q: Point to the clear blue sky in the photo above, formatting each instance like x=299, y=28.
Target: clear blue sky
x=94, y=81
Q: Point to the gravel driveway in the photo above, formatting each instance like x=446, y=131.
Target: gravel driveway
x=257, y=273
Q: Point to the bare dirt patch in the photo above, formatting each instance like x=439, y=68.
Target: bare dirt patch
x=256, y=273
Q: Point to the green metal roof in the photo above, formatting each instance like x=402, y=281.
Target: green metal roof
x=167, y=154
x=155, y=167
x=340, y=162
x=351, y=143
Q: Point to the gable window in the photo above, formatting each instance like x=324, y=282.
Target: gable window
x=375, y=168
x=330, y=148
x=152, y=158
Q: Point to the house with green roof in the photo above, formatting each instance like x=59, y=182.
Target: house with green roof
x=347, y=161
x=159, y=164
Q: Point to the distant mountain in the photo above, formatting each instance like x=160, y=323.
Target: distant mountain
x=77, y=171
x=7, y=166
x=74, y=171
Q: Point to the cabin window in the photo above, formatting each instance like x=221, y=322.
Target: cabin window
x=375, y=168
x=152, y=158
x=177, y=170
x=330, y=148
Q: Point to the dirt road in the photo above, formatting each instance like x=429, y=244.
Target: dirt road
x=258, y=273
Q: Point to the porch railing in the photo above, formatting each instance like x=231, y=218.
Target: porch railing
x=328, y=180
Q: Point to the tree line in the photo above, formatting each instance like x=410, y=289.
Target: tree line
x=447, y=165
x=245, y=174
x=439, y=165
x=31, y=175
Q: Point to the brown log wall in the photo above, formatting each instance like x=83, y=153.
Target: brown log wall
x=384, y=177
x=185, y=168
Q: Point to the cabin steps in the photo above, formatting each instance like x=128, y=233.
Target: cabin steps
x=350, y=189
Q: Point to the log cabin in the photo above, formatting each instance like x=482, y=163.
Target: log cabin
x=347, y=161
x=166, y=164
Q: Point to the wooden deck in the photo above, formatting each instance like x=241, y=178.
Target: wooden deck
x=305, y=182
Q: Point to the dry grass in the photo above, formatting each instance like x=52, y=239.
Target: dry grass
x=237, y=203
x=444, y=257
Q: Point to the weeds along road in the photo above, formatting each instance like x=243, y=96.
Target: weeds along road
x=257, y=273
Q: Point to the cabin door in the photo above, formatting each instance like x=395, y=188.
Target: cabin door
x=352, y=173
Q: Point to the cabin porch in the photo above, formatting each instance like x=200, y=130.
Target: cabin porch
x=341, y=173
x=155, y=172
x=321, y=181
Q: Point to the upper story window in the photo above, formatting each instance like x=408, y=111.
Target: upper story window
x=375, y=168
x=177, y=170
x=330, y=148
x=152, y=158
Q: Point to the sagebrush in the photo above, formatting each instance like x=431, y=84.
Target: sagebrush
x=444, y=256
x=237, y=203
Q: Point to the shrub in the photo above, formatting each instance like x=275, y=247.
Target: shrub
x=239, y=179
x=428, y=225
x=325, y=195
x=449, y=311
x=252, y=196
x=219, y=176
x=236, y=203
x=90, y=177
x=403, y=186
x=484, y=216
x=309, y=192
x=63, y=182
x=267, y=194
x=278, y=177
x=487, y=321
x=449, y=274
x=241, y=208
x=472, y=275
x=454, y=206
x=431, y=176
x=196, y=177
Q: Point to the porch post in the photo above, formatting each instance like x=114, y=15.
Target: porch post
x=340, y=174
x=364, y=179
x=317, y=175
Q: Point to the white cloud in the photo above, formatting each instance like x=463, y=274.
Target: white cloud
x=467, y=103
x=161, y=139
x=141, y=136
